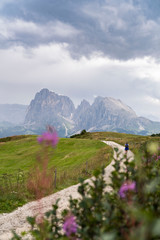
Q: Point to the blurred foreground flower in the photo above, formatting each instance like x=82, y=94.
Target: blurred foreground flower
x=127, y=186
x=70, y=225
x=41, y=181
x=49, y=138
x=153, y=147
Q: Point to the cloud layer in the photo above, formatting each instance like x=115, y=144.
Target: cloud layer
x=119, y=29
x=136, y=82
x=82, y=49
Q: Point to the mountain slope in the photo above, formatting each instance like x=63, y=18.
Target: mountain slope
x=105, y=114
x=109, y=114
x=49, y=108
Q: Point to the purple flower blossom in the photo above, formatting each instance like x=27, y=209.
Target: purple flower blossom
x=127, y=186
x=50, y=138
x=158, y=157
x=70, y=225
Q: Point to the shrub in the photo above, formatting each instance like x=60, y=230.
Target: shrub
x=128, y=208
x=83, y=132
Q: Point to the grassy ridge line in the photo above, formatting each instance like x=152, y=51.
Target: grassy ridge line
x=136, y=142
x=13, y=138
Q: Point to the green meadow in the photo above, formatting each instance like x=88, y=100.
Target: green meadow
x=72, y=159
x=23, y=153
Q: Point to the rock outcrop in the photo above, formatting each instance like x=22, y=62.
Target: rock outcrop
x=49, y=108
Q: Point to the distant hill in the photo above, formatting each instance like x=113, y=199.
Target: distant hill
x=49, y=108
x=12, y=113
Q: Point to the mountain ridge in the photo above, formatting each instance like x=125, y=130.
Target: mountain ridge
x=104, y=114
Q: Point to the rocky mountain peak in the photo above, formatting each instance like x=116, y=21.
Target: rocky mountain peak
x=114, y=105
x=44, y=91
x=43, y=94
x=119, y=105
x=47, y=107
x=80, y=111
x=105, y=114
x=84, y=104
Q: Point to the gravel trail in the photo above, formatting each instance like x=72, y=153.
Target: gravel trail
x=16, y=220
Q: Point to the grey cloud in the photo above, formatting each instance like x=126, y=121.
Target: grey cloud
x=150, y=8
x=78, y=79
x=27, y=33
x=120, y=29
x=124, y=31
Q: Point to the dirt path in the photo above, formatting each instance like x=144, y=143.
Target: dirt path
x=17, y=219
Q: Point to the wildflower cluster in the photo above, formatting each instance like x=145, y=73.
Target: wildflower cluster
x=70, y=225
x=126, y=188
x=129, y=210
x=49, y=138
x=41, y=179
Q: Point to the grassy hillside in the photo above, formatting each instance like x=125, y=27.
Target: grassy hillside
x=21, y=153
x=72, y=158
x=136, y=142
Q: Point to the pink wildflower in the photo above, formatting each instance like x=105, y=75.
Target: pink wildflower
x=70, y=225
x=158, y=157
x=50, y=138
x=127, y=186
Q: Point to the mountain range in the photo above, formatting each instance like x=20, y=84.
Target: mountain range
x=49, y=108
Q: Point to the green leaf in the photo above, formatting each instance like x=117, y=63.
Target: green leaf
x=156, y=228
x=31, y=220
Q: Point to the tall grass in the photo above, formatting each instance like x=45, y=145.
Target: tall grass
x=13, y=191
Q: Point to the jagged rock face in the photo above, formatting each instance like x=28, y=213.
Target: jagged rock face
x=105, y=114
x=80, y=116
x=49, y=108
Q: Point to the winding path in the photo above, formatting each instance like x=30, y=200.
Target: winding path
x=17, y=220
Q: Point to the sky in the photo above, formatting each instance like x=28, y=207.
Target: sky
x=82, y=49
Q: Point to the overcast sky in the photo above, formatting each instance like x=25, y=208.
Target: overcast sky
x=82, y=49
